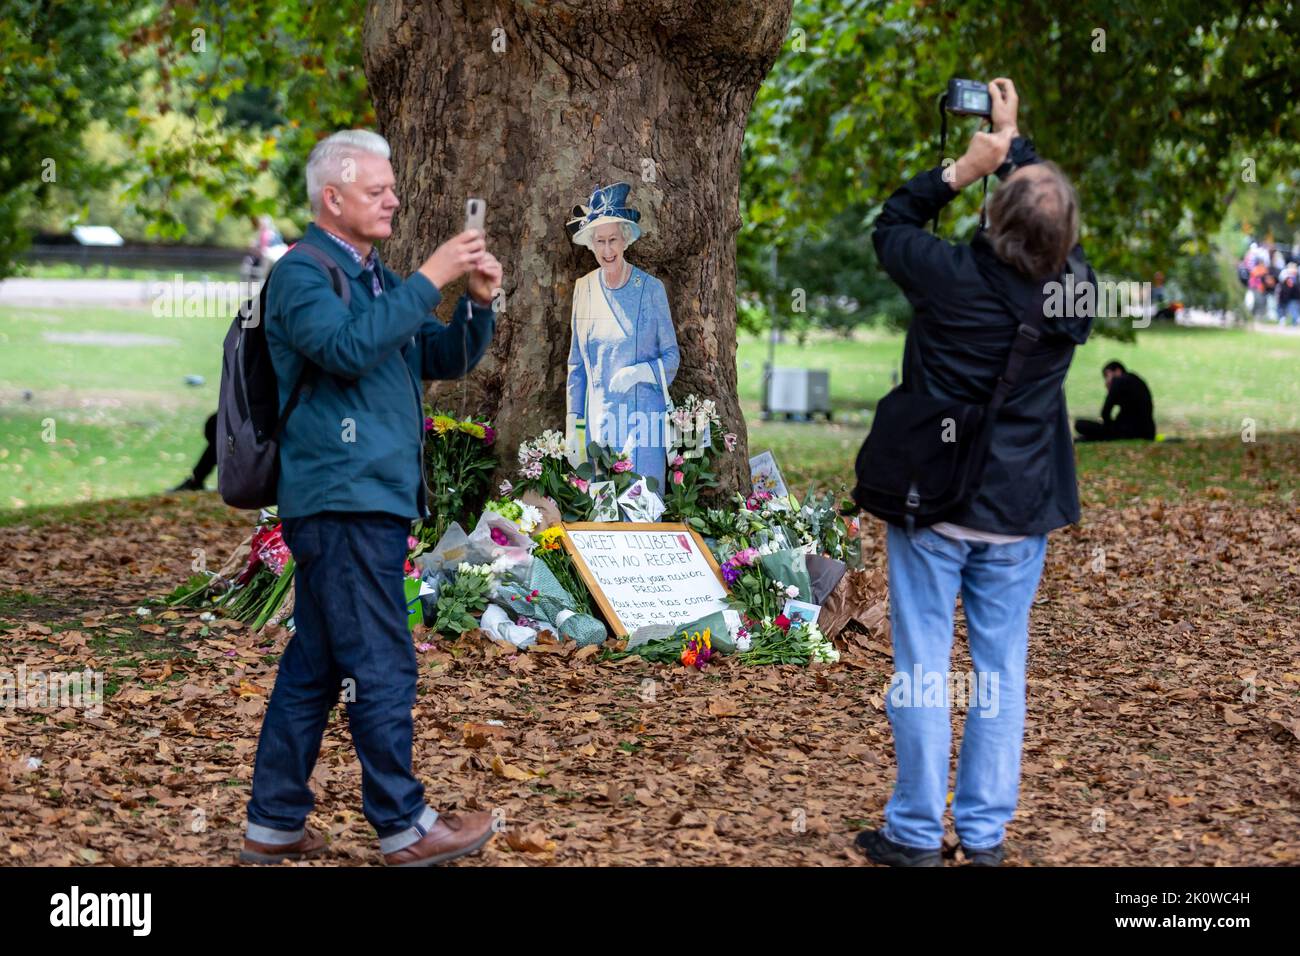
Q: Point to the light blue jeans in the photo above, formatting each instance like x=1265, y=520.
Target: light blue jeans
x=997, y=584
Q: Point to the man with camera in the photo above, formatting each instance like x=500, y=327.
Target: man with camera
x=978, y=321
x=351, y=341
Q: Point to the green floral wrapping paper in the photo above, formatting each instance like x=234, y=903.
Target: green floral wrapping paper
x=542, y=598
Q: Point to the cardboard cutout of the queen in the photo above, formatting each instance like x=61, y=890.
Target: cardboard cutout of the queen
x=623, y=350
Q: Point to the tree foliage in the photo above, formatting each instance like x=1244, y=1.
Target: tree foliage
x=1159, y=111
x=61, y=68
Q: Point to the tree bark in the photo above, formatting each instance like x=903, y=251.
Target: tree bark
x=530, y=106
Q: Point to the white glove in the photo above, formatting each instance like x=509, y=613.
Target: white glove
x=625, y=378
x=572, y=444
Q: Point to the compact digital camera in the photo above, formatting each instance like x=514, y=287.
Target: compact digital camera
x=969, y=98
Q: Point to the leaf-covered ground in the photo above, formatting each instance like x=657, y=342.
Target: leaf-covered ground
x=1163, y=726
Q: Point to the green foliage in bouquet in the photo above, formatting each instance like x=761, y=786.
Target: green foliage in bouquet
x=605, y=464
x=461, y=600
x=258, y=599
x=544, y=469
x=459, y=462
x=195, y=592
x=687, y=480
x=554, y=556
x=695, y=427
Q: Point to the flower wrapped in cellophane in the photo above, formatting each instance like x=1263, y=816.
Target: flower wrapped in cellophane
x=532, y=592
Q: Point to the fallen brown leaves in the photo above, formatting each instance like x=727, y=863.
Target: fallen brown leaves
x=1163, y=726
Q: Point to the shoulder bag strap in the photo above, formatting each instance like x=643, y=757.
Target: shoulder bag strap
x=342, y=288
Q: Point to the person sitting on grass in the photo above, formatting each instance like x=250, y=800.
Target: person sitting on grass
x=1130, y=395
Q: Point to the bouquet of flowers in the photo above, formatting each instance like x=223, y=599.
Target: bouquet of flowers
x=550, y=551
x=526, y=516
x=266, y=579
x=458, y=464
x=543, y=468
x=464, y=597
x=818, y=523
x=781, y=642
x=535, y=594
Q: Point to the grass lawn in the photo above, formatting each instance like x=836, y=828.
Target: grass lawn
x=1206, y=383
x=91, y=410
x=105, y=414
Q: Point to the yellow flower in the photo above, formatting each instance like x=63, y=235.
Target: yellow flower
x=550, y=538
x=707, y=641
x=469, y=428
x=443, y=424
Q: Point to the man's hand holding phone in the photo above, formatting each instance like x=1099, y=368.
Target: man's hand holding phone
x=455, y=257
x=485, y=279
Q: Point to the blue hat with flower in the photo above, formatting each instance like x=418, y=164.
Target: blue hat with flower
x=607, y=204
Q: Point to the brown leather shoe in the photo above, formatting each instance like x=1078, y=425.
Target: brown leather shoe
x=311, y=844
x=452, y=836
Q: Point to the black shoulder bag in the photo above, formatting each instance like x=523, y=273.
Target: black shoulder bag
x=924, y=456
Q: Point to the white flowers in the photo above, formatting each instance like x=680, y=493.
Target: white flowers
x=744, y=643
x=788, y=590
x=529, y=519
x=550, y=444
x=819, y=649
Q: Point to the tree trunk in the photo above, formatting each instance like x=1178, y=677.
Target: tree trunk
x=531, y=105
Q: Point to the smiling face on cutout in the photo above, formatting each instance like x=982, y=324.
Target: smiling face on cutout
x=607, y=244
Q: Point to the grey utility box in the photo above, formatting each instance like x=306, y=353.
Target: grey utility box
x=803, y=392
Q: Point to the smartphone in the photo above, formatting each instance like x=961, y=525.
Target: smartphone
x=475, y=213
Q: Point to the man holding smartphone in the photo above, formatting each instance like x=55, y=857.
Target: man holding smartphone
x=351, y=459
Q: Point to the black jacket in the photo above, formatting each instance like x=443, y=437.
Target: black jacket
x=967, y=306
x=1136, y=418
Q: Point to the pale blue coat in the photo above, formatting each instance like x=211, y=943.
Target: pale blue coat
x=641, y=334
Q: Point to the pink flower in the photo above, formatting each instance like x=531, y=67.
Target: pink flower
x=581, y=485
x=729, y=440
x=622, y=466
x=678, y=461
x=428, y=424
x=411, y=541
x=499, y=537
x=489, y=434
x=678, y=477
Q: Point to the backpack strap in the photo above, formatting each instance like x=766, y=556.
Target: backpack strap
x=342, y=288
x=1027, y=336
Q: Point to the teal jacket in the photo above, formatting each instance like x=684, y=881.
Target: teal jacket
x=355, y=439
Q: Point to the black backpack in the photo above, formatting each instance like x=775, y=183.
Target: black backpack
x=249, y=420
x=924, y=456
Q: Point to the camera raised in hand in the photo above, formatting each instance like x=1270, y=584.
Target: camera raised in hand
x=969, y=98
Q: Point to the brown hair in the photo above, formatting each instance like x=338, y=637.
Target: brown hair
x=1034, y=221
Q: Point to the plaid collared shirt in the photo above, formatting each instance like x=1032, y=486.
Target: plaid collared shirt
x=370, y=263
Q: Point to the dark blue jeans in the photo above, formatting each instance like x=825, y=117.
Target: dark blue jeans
x=350, y=634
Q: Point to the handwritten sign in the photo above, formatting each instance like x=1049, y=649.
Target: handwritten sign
x=646, y=573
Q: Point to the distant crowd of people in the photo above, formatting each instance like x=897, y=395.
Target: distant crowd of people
x=1271, y=277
